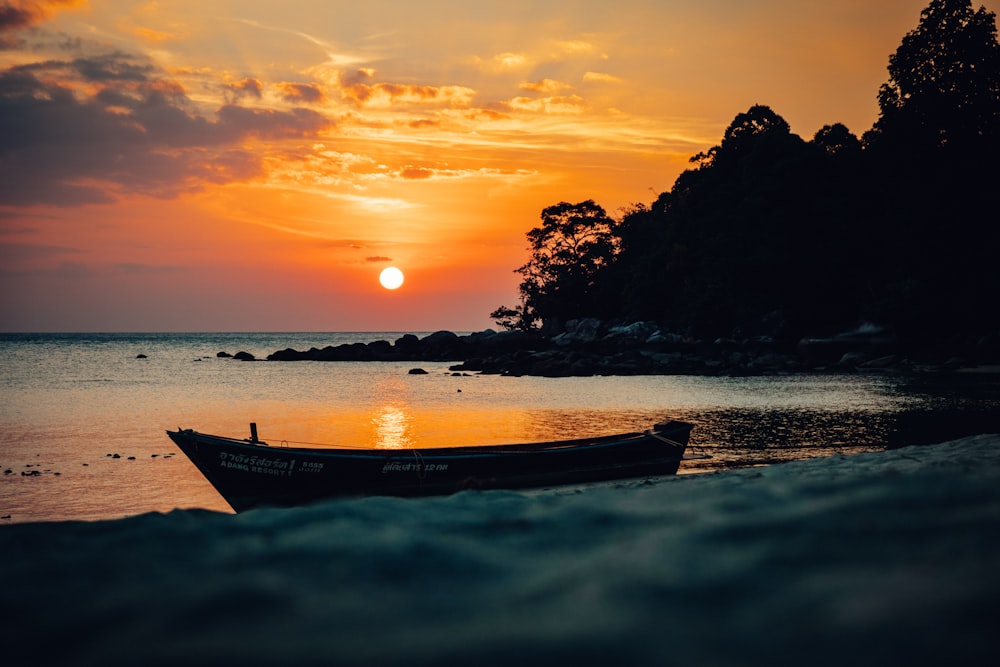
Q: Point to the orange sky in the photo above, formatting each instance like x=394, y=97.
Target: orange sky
x=241, y=165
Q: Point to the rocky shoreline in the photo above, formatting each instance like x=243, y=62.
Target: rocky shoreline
x=590, y=347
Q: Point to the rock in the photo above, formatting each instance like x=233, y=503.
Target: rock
x=223, y=355
x=407, y=344
x=417, y=371
x=579, y=332
x=140, y=356
x=883, y=362
x=852, y=359
x=244, y=356
x=440, y=337
x=634, y=333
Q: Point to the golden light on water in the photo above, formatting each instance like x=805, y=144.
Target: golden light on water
x=391, y=429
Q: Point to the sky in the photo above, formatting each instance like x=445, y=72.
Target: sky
x=251, y=165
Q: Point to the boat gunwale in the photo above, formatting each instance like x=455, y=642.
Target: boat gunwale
x=461, y=451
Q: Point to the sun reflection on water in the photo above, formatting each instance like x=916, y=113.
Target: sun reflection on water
x=392, y=428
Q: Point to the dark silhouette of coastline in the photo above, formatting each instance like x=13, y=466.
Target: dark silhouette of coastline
x=775, y=254
x=771, y=235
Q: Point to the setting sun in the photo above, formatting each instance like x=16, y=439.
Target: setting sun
x=327, y=140
x=391, y=278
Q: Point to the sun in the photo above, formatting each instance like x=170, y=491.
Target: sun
x=391, y=277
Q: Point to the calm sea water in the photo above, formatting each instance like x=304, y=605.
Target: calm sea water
x=82, y=417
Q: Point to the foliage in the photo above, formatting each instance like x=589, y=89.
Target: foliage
x=768, y=234
x=570, y=249
x=944, y=83
x=512, y=319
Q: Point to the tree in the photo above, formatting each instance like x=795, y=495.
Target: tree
x=944, y=84
x=934, y=149
x=574, y=245
x=837, y=140
x=747, y=133
x=511, y=319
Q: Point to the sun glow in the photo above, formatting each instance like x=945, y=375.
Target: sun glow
x=391, y=277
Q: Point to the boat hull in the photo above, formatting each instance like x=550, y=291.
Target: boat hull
x=251, y=474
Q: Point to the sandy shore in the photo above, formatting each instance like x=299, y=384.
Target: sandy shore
x=872, y=559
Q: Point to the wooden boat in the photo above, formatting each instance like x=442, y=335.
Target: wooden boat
x=250, y=473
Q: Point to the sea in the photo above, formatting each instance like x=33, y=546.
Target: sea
x=832, y=519
x=83, y=416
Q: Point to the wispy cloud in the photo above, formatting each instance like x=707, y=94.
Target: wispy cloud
x=545, y=86
x=503, y=62
x=600, y=77
x=359, y=86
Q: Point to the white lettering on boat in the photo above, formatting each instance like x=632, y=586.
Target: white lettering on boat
x=395, y=466
x=264, y=466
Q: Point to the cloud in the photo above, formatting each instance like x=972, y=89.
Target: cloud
x=17, y=14
x=248, y=87
x=574, y=46
x=309, y=93
x=415, y=173
x=236, y=122
x=545, y=86
x=355, y=86
x=600, y=77
x=84, y=131
x=422, y=123
x=503, y=62
x=378, y=258
x=572, y=104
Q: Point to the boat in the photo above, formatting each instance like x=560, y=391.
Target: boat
x=251, y=473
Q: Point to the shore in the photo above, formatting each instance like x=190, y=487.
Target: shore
x=870, y=559
x=591, y=347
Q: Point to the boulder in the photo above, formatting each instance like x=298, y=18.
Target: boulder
x=579, y=332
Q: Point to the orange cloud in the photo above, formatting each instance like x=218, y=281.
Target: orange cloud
x=15, y=14
x=354, y=87
x=423, y=123
x=572, y=104
x=503, y=62
x=545, y=86
x=416, y=173
x=248, y=86
x=156, y=35
x=600, y=77
x=574, y=46
x=309, y=93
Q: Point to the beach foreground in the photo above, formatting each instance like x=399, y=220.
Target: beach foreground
x=877, y=558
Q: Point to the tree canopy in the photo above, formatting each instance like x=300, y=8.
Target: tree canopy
x=770, y=234
x=570, y=249
x=943, y=91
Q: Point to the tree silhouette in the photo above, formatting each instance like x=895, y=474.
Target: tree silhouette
x=944, y=83
x=934, y=149
x=574, y=244
x=766, y=229
x=748, y=132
